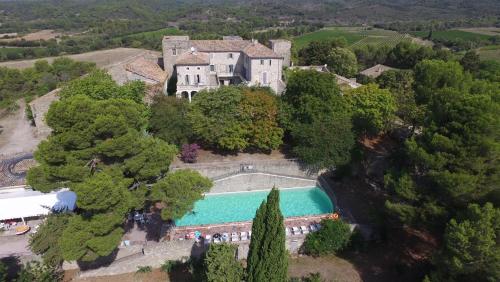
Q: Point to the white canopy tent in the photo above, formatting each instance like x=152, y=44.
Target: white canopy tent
x=20, y=202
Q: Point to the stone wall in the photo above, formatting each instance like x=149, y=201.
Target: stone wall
x=258, y=181
x=218, y=170
x=256, y=175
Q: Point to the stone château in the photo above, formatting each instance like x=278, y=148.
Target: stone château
x=208, y=64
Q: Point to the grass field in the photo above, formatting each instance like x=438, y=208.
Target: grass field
x=355, y=36
x=495, y=31
x=452, y=34
x=491, y=52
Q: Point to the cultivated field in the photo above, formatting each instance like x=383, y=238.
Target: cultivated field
x=490, y=53
x=102, y=58
x=453, y=34
x=494, y=31
x=45, y=34
x=355, y=36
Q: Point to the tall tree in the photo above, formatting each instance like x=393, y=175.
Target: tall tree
x=454, y=160
x=215, y=118
x=431, y=75
x=45, y=241
x=168, y=120
x=318, y=119
x=267, y=256
x=100, y=85
x=470, y=61
x=400, y=83
x=259, y=110
x=373, y=108
x=178, y=192
x=342, y=61
x=220, y=264
x=236, y=118
x=98, y=150
x=316, y=52
x=471, y=248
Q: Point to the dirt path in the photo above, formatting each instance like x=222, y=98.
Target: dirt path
x=17, y=134
x=331, y=268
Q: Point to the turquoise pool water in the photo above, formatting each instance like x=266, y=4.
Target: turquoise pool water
x=232, y=207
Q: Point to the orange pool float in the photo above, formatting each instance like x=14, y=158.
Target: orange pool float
x=20, y=230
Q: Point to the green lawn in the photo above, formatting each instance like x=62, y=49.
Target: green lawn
x=452, y=35
x=355, y=36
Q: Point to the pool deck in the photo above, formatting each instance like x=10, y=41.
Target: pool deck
x=180, y=232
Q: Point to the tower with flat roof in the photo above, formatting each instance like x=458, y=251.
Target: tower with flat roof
x=283, y=48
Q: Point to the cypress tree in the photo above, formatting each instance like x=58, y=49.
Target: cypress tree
x=267, y=257
x=258, y=230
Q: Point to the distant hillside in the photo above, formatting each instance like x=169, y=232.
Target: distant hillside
x=84, y=14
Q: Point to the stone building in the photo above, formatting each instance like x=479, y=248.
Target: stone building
x=208, y=64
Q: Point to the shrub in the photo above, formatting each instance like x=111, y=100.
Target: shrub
x=189, y=153
x=37, y=271
x=333, y=236
x=169, y=265
x=29, y=114
x=144, y=269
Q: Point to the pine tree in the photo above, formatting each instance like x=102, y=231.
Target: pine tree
x=267, y=257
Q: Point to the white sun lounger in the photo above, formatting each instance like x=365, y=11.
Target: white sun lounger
x=234, y=237
x=313, y=228
x=287, y=231
x=304, y=229
x=295, y=230
x=225, y=237
x=244, y=236
x=208, y=239
x=217, y=241
x=249, y=234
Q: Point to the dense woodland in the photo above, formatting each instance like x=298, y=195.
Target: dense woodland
x=38, y=80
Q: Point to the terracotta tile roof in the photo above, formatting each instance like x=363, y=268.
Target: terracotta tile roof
x=193, y=58
x=322, y=68
x=251, y=49
x=257, y=50
x=219, y=45
x=147, y=68
x=346, y=81
x=376, y=70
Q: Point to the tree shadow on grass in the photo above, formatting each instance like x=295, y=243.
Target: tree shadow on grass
x=100, y=262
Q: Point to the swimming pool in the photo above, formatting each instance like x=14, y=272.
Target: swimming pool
x=233, y=207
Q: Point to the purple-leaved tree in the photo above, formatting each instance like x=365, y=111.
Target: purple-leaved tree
x=189, y=152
